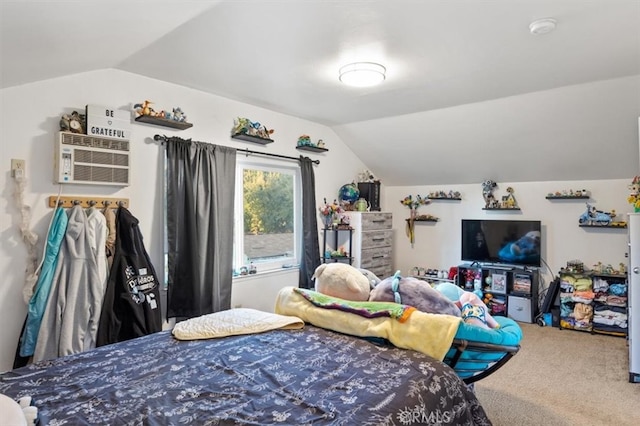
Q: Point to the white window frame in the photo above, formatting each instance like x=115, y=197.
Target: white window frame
x=238, y=224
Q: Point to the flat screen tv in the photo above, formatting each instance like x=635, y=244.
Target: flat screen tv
x=511, y=242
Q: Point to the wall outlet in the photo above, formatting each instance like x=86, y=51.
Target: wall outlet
x=17, y=167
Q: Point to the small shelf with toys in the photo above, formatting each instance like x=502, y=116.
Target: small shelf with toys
x=311, y=148
x=567, y=197
x=175, y=119
x=251, y=131
x=444, y=196
x=580, y=194
x=254, y=139
x=165, y=122
x=305, y=144
x=423, y=218
x=593, y=218
x=506, y=202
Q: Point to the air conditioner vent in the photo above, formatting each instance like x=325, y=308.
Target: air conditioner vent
x=91, y=160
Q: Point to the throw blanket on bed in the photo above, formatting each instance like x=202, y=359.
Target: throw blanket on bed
x=431, y=334
x=233, y=322
x=365, y=309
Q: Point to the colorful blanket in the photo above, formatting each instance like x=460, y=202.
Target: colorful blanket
x=364, y=309
x=431, y=334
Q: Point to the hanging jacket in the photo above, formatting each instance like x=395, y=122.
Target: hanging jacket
x=66, y=317
x=131, y=305
x=38, y=300
x=97, y=233
x=110, y=248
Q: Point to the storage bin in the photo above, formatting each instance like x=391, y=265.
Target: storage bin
x=519, y=309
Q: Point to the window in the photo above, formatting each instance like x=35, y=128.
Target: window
x=267, y=229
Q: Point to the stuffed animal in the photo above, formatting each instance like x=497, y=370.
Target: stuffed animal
x=341, y=280
x=414, y=292
x=373, y=278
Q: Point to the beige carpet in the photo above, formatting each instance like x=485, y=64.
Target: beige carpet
x=563, y=377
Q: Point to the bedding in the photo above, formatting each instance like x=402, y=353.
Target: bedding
x=285, y=377
x=404, y=326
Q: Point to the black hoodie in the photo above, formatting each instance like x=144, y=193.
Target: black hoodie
x=131, y=306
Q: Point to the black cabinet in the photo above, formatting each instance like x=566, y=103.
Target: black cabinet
x=370, y=191
x=507, y=291
x=337, y=245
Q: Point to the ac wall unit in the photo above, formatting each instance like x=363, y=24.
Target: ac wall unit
x=83, y=159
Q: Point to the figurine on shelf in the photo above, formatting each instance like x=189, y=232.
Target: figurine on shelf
x=144, y=109
x=320, y=143
x=509, y=201
x=304, y=140
x=488, y=186
x=595, y=217
x=244, y=126
x=74, y=122
x=178, y=115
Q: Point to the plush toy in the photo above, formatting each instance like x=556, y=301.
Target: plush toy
x=373, y=278
x=474, y=311
x=414, y=292
x=341, y=280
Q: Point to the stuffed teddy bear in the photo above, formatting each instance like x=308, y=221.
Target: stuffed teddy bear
x=341, y=280
x=413, y=292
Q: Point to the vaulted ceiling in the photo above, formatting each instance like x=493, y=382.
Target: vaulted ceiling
x=469, y=93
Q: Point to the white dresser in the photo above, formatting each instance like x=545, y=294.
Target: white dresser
x=372, y=239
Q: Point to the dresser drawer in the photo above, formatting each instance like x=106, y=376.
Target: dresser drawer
x=372, y=239
x=375, y=257
x=372, y=221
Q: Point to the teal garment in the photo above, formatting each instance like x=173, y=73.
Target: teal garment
x=38, y=300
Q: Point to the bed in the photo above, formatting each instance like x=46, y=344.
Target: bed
x=304, y=376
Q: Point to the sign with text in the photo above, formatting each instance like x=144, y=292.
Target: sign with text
x=108, y=122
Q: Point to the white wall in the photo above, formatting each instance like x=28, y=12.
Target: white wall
x=29, y=117
x=437, y=245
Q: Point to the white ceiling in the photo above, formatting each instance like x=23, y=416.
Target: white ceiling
x=455, y=72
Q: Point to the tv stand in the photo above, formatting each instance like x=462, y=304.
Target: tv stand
x=507, y=290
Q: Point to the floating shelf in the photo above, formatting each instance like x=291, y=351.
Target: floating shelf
x=164, y=122
x=501, y=208
x=311, y=148
x=254, y=139
x=604, y=226
x=423, y=220
x=445, y=198
x=567, y=197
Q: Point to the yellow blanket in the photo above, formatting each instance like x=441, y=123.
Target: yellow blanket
x=431, y=334
x=233, y=322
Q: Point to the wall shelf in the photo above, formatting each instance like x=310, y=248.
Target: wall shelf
x=423, y=220
x=567, y=197
x=620, y=226
x=164, y=122
x=311, y=148
x=445, y=198
x=501, y=208
x=254, y=139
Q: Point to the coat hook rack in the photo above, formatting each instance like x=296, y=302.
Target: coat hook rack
x=70, y=201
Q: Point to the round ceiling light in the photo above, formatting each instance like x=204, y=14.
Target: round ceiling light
x=542, y=26
x=362, y=74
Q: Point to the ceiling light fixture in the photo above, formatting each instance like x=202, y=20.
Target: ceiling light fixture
x=542, y=26
x=362, y=74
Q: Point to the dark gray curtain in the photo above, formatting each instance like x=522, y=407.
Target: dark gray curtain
x=311, y=251
x=200, y=186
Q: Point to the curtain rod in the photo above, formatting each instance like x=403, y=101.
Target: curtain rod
x=245, y=150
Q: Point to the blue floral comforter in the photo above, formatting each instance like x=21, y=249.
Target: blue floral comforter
x=283, y=377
